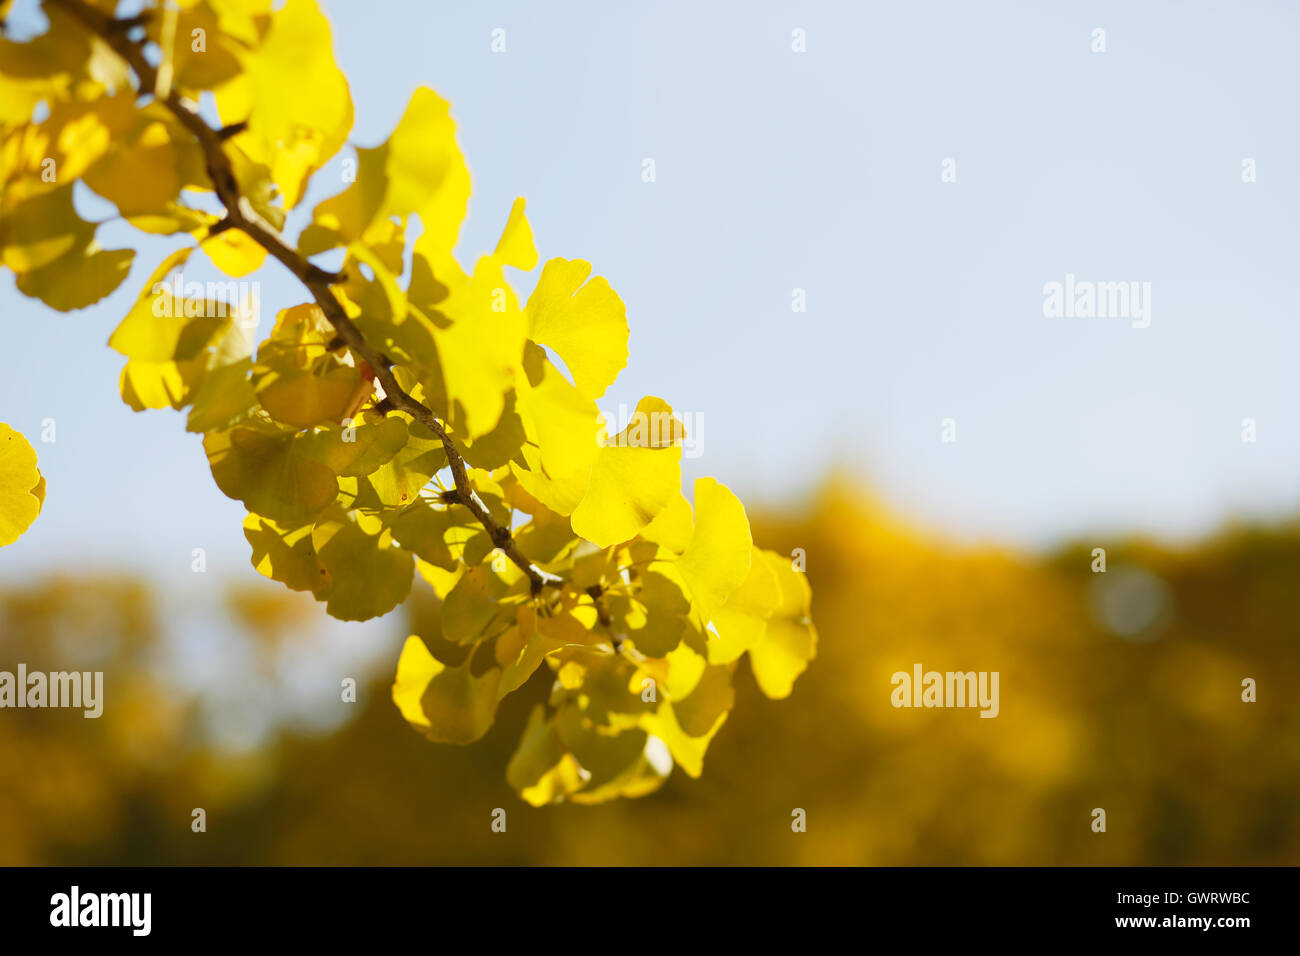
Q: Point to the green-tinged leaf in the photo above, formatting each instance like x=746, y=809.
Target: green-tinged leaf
x=541, y=770
x=267, y=471
x=369, y=574
x=422, y=529
x=286, y=555
x=398, y=481
x=40, y=228
x=447, y=704
x=359, y=448
x=687, y=726
x=472, y=604
x=225, y=397
x=78, y=279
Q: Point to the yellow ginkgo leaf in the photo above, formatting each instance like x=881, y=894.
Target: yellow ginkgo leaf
x=516, y=247
x=293, y=96
x=687, y=724
x=369, y=575
x=541, y=769
x=224, y=397
x=563, y=431
x=609, y=760
x=448, y=704
x=472, y=604
x=789, y=641
x=141, y=175
x=22, y=487
x=286, y=555
x=697, y=714
x=546, y=536
x=415, y=668
x=522, y=648
x=655, y=618
x=721, y=549
x=585, y=324
x=303, y=398
x=422, y=529
x=673, y=527
x=18, y=98
x=741, y=622
x=297, y=378
x=269, y=473
x=152, y=330
x=644, y=775
x=685, y=671
x=79, y=278
x=482, y=350
x=499, y=445
x=634, y=476
x=57, y=53
x=214, y=62
x=359, y=448
x=169, y=341
x=84, y=132
x=782, y=655
x=38, y=226
x=419, y=169
x=397, y=482
x=234, y=253
x=174, y=217
x=687, y=750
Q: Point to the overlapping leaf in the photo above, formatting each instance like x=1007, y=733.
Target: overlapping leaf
x=293, y=97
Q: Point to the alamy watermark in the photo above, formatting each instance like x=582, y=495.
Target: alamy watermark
x=75, y=908
x=1085, y=299
x=950, y=689
x=79, y=689
x=176, y=298
x=656, y=429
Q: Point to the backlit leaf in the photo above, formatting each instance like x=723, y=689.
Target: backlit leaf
x=22, y=488
x=586, y=324
x=293, y=96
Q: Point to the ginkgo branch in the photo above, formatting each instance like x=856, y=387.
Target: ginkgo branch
x=241, y=215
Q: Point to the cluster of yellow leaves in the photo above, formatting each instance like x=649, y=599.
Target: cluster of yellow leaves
x=91, y=130
x=141, y=159
x=347, y=498
x=648, y=688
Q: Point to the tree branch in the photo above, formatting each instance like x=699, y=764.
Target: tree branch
x=596, y=593
x=240, y=214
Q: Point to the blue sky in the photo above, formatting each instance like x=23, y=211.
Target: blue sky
x=778, y=170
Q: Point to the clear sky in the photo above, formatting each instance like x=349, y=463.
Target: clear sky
x=778, y=170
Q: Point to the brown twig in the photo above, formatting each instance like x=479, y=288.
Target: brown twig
x=241, y=215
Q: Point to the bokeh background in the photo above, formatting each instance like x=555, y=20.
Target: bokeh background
x=775, y=171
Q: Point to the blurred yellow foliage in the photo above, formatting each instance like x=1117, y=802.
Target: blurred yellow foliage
x=1119, y=690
